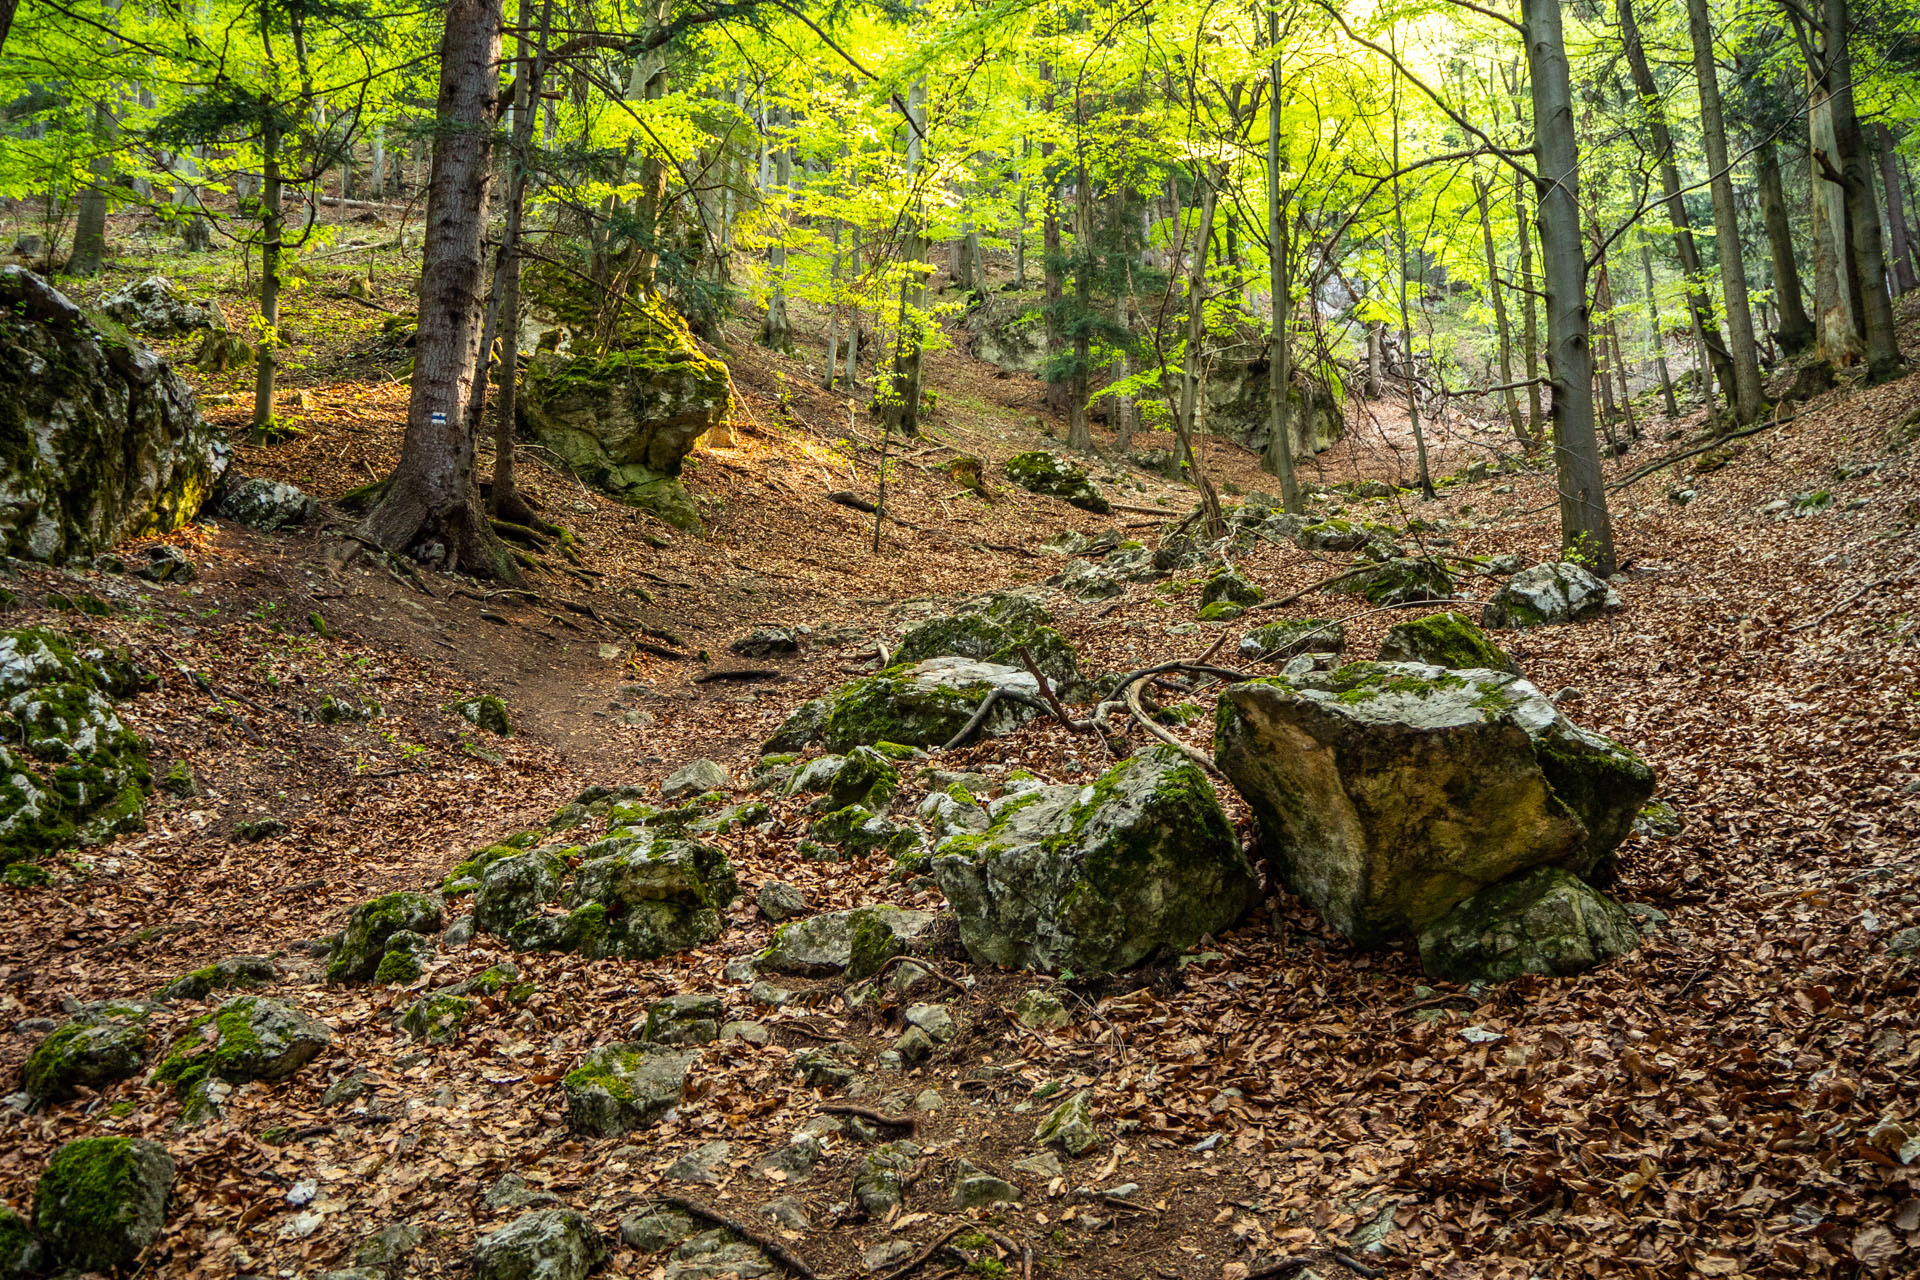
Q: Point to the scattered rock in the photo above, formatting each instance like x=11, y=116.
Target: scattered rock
x=1544, y=921
x=934, y=1019
x=1658, y=820
x=515, y=887
x=700, y=1164
x=876, y=1179
x=686, y=1019
x=927, y=704
x=1332, y=535
x=1099, y=878
x=1548, y=594
x=977, y=1189
x=390, y=1245
x=695, y=779
x=1044, y=1167
x=778, y=900
x=648, y=895
x=96, y=1047
x=752, y=1032
x=101, y=1202
x=886, y=1255
x=155, y=308
x=246, y=1038
x=351, y=1087
x=618, y=1088
x=1046, y=473
x=1038, y=1009
x=656, y=1227
x=800, y=729
x=118, y=448
x=1445, y=640
x=1905, y=943
x=1279, y=641
x=547, y=1244
x=824, y=945
x=510, y=1191
x=164, y=563
x=364, y=943
x=718, y=1255
x=487, y=712
x=994, y=629
x=1399, y=581
x=1228, y=587
x=914, y=1045
x=266, y=505
x=1069, y=1125
x=864, y=777
x=766, y=642
x=1388, y=792
x=437, y=1018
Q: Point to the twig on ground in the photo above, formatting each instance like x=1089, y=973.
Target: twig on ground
x=926, y=964
x=995, y=696
x=921, y=1258
x=740, y=673
x=1864, y=588
x=771, y=1247
x=868, y=1113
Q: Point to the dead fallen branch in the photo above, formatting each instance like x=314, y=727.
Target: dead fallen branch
x=765, y=1244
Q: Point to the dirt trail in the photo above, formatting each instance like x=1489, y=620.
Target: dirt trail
x=1715, y=1104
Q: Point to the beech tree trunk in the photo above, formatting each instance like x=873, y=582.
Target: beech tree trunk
x=1279, y=454
x=903, y=410
x=1747, y=395
x=1529, y=322
x=1795, y=330
x=1192, y=373
x=6, y=20
x=778, y=330
x=1896, y=211
x=1659, y=343
x=431, y=506
x=273, y=229
x=1510, y=395
x=504, y=501
x=89, y=254
x=1079, y=433
x=1586, y=528
x=1863, y=212
x=1699, y=306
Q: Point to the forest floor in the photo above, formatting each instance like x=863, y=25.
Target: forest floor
x=1739, y=1097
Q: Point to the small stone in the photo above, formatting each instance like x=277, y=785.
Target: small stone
x=351, y=1087
x=779, y=901
x=1070, y=1125
x=876, y=1179
x=389, y=1245
x=695, y=779
x=1904, y=943
x=752, y=1032
x=824, y=1069
x=766, y=994
x=791, y=1163
x=684, y=1019
x=236, y=971
x=1037, y=1009
x=934, y=1019
x=885, y=1255
x=976, y=1189
x=656, y=1228
x=787, y=1213
x=700, y=1164
x=1044, y=1167
x=460, y=932
x=928, y=1100
x=622, y=1087
x=510, y=1191
x=766, y=642
x=547, y=1244
x=914, y=1046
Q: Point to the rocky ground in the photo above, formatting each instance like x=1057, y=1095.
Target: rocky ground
x=1736, y=1096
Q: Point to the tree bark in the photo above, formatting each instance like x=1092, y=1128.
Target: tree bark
x=431, y=507
x=1079, y=433
x=504, y=501
x=1279, y=454
x=1192, y=386
x=1748, y=396
x=7, y=8
x=1659, y=343
x=89, y=254
x=778, y=330
x=1863, y=213
x=1699, y=306
x=1494, y=295
x=1795, y=330
x=1896, y=211
x=1423, y=478
x=903, y=410
x=272, y=233
x=1586, y=528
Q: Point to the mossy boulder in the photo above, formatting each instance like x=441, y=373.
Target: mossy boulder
x=546, y=1244
x=994, y=628
x=91, y=1050
x=405, y=958
x=800, y=729
x=515, y=887
x=487, y=712
x=1281, y=641
x=1545, y=921
x=928, y=703
x=1331, y=535
x=624, y=410
x=655, y=894
x=618, y=1088
x=1404, y=580
x=234, y=971
x=1094, y=879
x=1069, y=1125
x=364, y=942
x=1547, y=594
x=864, y=777
x=155, y=308
x=683, y=1019
x=1230, y=586
x=246, y=1038
x=1388, y=792
x=19, y=1251
x=101, y=1202
x=100, y=441
x=1047, y=473
x=1445, y=640
x=823, y=945
x=437, y=1018
x=860, y=833
x=71, y=772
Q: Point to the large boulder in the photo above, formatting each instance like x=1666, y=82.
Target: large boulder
x=247, y=1038
x=101, y=1202
x=1544, y=921
x=95, y=1047
x=263, y=504
x=1445, y=640
x=71, y=772
x=1051, y=475
x=154, y=307
x=1140, y=864
x=1398, y=581
x=624, y=404
x=1388, y=792
x=994, y=628
x=649, y=894
x=1240, y=405
x=373, y=924
x=1010, y=331
x=99, y=440
x=1546, y=594
x=546, y=1244
x=618, y=1088
x=924, y=704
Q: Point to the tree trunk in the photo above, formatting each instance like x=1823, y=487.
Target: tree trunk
x=6, y=20
x=1659, y=343
x=1586, y=529
x=1279, y=454
x=431, y=508
x=1748, y=397
x=1494, y=295
x=272, y=232
x=1079, y=434
x=1192, y=386
x=1795, y=330
x=1699, y=306
x=778, y=330
x=505, y=501
x=1896, y=211
x=89, y=255
x=1529, y=319
x=1423, y=477
x=1863, y=213
x=903, y=412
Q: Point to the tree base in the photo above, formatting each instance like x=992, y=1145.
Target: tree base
x=455, y=538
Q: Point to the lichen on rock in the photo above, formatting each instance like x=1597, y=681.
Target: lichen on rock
x=1047, y=473
x=1544, y=921
x=1445, y=640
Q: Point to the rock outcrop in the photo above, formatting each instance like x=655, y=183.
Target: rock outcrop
x=1548, y=594
x=1389, y=792
x=1044, y=472
x=623, y=407
x=994, y=628
x=154, y=307
x=1099, y=878
x=923, y=704
x=99, y=440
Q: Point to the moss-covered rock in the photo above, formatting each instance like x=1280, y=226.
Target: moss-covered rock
x=657, y=894
x=1280, y=641
x=1546, y=594
x=823, y=945
x=1399, y=581
x=1544, y=921
x=94, y=1048
x=246, y=1038
x=927, y=703
x=624, y=407
x=994, y=628
x=546, y=1244
x=71, y=772
x=860, y=833
x=618, y=1088
x=800, y=729
x=101, y=1202
x=405, y=958
x=515, y=887
x=437, y=1018
x=364, y=941
x=1388, y=792
x=235, y=971
x=1069, y=1125
x=99, y=440
x=1230, y=586
x=1445, y=640
x=1331, y=535
x=863, y=777
x=487, y=712
x=1043, y=472
x=684, y=1019
x=1094, y=879
x=19, y=1250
